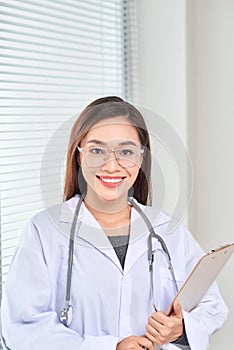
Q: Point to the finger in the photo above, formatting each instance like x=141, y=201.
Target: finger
x=151, y=348
x=177, y=310
x=159, y=316
x=176, y=305
x=153, y=333
x=152, y=329
x=144, y=342
x=153, y=339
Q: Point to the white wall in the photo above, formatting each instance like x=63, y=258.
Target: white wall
x=162, y=79
x=186, y=55
x=162, y=59
x=211, y=113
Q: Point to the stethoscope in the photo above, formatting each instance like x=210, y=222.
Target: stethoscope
x=66, y=313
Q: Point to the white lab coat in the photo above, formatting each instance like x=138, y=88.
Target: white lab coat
x=109, y=303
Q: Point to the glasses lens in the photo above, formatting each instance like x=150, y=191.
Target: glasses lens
x=95, y=156
x=128, y=157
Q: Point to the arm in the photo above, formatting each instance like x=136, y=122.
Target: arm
x=205, y=319
x=210, y=314
x=28, y=316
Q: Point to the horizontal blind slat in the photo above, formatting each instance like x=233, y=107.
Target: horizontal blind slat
x=49, y=60
x=55, y=11
x=13, y=30
x=51, y=21
x=51, y=53
x=57, y=56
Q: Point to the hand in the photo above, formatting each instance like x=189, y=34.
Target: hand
x=135, y=343
x=162, y=329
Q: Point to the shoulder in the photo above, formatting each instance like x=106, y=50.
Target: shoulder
x=47, y=213
x=51, y=224
x=170, y=228
x=179, y=240
x=156, y=216
x=57, y=213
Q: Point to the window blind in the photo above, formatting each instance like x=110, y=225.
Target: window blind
x=56, y=56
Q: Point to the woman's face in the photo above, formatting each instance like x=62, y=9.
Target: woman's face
x=108, y=178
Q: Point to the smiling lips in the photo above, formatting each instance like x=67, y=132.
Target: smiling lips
x=111, y=181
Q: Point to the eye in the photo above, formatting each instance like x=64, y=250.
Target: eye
x=97, y=150
x=126, y=152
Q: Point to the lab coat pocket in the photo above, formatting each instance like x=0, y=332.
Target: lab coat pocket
x=169, y=286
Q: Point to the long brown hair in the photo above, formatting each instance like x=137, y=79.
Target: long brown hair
x=100, y=109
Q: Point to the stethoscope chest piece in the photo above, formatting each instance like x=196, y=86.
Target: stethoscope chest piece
x=66, y=315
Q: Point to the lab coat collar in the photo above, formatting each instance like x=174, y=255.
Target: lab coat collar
x=156, y=217
x=89, y=231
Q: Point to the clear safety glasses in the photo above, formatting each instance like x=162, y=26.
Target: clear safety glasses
x=126, y=156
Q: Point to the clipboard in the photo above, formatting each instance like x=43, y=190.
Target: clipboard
x=202, y=276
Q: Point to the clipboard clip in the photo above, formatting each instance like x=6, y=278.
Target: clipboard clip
x=221, y=247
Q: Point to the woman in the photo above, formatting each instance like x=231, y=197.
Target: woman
x=110, y=302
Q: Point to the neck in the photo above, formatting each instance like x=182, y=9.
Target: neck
x=109, y=214
x=112, y=206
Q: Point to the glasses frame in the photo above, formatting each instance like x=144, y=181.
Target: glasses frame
x=110, y=150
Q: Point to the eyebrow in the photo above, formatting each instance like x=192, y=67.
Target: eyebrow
x=123, y=143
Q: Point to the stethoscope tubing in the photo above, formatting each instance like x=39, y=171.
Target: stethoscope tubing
x=66, y=312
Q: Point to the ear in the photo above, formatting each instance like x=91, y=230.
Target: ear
x=79, y=158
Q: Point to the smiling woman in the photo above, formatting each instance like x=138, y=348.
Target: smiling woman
x=102, y=251
x=111, y=122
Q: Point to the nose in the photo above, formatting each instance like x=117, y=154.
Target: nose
x=111, y=163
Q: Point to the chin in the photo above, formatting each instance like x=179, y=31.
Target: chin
x=111, y=197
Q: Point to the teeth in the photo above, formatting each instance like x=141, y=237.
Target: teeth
x=111, y=180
